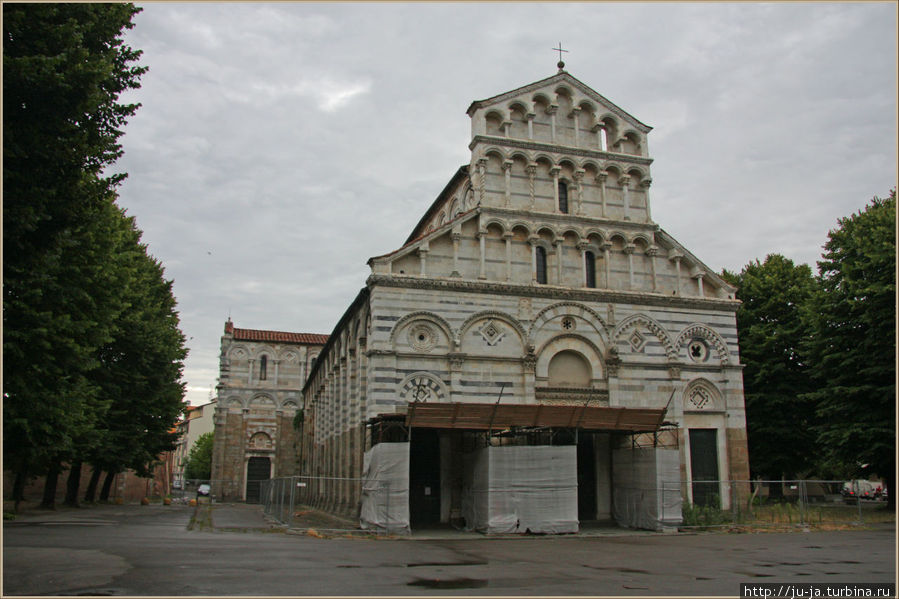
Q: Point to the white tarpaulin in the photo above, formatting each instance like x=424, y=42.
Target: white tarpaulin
x=517, y=489
x=646, y=487
x=385, y=491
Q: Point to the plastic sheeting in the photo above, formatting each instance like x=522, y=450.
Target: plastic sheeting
x=646, y=488
x=385, y=490
x=517, y=489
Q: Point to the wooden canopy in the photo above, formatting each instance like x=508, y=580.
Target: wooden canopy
x=478, y=416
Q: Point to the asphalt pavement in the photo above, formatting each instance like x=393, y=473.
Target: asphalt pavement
x=233, y=550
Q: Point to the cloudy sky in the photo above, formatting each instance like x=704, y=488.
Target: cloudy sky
x=279, y=146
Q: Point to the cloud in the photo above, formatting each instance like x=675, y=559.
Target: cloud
x=294, y=141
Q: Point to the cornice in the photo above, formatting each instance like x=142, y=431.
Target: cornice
x=537, y=146
x=585, y=221
x=550, y=292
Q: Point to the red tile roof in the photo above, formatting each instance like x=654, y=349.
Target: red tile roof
x=279, y=336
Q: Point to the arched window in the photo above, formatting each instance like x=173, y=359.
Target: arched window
x=541, y=265
x=263, y=367
x=563, y=197
x=590, y=269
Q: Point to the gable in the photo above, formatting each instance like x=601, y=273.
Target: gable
x=548, y=87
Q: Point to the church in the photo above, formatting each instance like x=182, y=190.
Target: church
x=257, y=399
x=539, y=352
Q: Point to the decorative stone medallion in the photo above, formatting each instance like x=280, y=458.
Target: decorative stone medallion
x=637, y=341
x=700, y=398
x=422, y=337
x=698, y=350
x=491, y=332
x=568, y=324
x=422, y=389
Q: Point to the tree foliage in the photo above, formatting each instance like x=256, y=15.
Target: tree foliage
x=199, y=460
x=851, y=341
x=776, y=377
x=90, y=329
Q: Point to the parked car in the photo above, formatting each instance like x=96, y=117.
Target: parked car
x=176, y=484
x=854, y=490
x=203, y=490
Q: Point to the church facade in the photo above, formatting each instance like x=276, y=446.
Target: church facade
x=257, y=398
x=536, y=321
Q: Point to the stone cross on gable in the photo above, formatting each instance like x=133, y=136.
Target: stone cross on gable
x=561, y=64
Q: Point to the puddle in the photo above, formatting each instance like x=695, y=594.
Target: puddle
x=448, y=583
x=614, y=569
x=445, y=564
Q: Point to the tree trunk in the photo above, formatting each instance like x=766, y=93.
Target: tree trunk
x=73, y=484
x=889, y=485
x=49, y=501
x=107, y=484
x=91, y=492
x=18, y=488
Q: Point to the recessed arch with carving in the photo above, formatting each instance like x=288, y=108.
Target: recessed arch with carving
x=701, y=331
x=578, y=344
x=423, y=386
x=655, y=328
x=702, y=395
x=428, y=317
x=568, y=309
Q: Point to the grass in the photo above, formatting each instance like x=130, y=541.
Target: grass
x=787, y=515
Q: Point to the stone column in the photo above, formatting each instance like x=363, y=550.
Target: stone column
x=598, y=129
x=579, y=190
x=529, y=374
x=554, y=171
x=677, y=258
x=456, y=237
x=601, y=179
x=530, y=117
x=629, y=250
x=423, y=259
x=582, y=250
x=533, y=242
x=456, y=361
x=482, y=179
x=279, y=468
x=575, y=112
x=699, y=277
x=252, y=363
x=624, y=180
x=507, y=236
x=606, y=248
x=645, y=183
x=507, y=171
x=482, y=271
x=532, y=175
x=506, y=126
x=652, y=251
x=558, y=244
x=613, y=363
x=276, y=363
x=551, y=111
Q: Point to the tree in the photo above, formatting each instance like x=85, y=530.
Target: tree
x=64, y=67
x=199, y=460
x=776, y=380
x=139, y=369
x=852, y=344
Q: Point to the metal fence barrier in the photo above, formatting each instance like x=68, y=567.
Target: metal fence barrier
x=326, y=504
x=331, y=504
x=767, y=503
x=217, y=490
